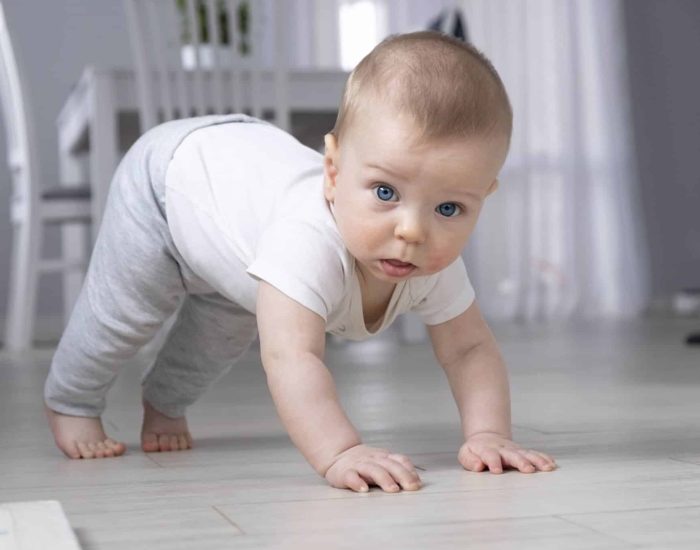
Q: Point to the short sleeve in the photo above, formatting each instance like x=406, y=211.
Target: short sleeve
x=303, y=261
x=451, y=295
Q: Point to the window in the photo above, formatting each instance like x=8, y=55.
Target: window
x=362, y=26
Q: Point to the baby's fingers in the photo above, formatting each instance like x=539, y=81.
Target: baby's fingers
x=541, y=461
x=492, y=459
x=353, y=481
x=378, y=474
x=518, y=459
x=471, y=462
x=408, y=479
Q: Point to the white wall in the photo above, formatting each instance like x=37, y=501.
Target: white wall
x=663, y=44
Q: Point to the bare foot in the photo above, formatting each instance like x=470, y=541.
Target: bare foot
x=162, y=433
x=82, y=437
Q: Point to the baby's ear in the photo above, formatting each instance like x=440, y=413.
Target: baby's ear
x=330, y=170
x=331, y=144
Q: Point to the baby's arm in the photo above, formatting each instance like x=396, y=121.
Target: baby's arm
x=292, y=345
x=468, y=353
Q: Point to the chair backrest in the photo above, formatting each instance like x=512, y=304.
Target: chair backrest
x=19, y=128
x=191, y=57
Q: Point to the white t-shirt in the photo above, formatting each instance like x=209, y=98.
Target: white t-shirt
x=245, y=202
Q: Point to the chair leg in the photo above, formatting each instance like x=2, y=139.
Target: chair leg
x=24, y=278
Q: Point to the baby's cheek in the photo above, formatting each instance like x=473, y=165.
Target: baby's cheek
x=361, y=238
x=437, y=263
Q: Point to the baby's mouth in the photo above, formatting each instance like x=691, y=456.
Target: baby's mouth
x=396, y=268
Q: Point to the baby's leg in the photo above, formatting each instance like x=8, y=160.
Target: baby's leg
x=209, y=335
x=132, y=286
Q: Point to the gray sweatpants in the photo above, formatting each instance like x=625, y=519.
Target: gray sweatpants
x=135, y=281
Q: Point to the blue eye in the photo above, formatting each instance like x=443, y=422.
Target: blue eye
x=384, y=193
x=448, y=209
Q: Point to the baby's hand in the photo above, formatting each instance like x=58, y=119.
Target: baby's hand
x=495, y=452
x=360, y=465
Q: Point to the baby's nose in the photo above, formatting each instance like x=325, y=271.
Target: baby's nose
x=410, y=229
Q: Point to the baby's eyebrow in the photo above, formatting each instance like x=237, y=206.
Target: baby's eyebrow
x=465, y=193
x=386, y=169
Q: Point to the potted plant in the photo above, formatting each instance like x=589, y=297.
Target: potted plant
x=241, y=37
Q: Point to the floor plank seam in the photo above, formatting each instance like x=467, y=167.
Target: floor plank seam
x=350, y=496
x=229, y=521
x=588, y=528
x=149, y=457
x=631, y=510
x=684, y=461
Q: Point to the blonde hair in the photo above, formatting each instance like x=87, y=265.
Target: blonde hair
x=447, y=87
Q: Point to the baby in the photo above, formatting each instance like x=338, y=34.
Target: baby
x=251, y=233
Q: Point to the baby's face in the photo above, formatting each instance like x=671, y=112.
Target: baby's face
x=404, y=208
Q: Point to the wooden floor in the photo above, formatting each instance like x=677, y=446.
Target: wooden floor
x=616, y=403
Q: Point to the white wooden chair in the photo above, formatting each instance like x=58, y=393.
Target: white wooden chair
x=32, y=204
x=182, y=72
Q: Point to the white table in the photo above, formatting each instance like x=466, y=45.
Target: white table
x=92, y=125
x=89, y=129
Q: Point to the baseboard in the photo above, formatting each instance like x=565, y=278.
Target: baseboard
x=47, y=331
x=669, y=306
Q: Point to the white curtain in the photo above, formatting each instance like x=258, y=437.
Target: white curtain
x=563, y=236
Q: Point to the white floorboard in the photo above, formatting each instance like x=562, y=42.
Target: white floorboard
x=616, y=403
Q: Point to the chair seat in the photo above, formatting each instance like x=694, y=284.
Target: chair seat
x=65, y=192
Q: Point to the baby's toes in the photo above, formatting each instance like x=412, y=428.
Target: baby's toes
x=164, y=442
x=71, y=450
x=149, y=443
x=99, y=448
x=107, y=451
x=87, y=450
x=116, y=447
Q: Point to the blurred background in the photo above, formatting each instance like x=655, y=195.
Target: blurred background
x=598, y=213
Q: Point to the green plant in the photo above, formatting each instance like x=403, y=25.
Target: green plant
x=222, y=19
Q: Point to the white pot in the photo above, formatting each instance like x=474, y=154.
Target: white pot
x=206, y=56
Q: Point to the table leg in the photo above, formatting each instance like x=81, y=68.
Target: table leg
x=104, y=153
x=75, y=237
